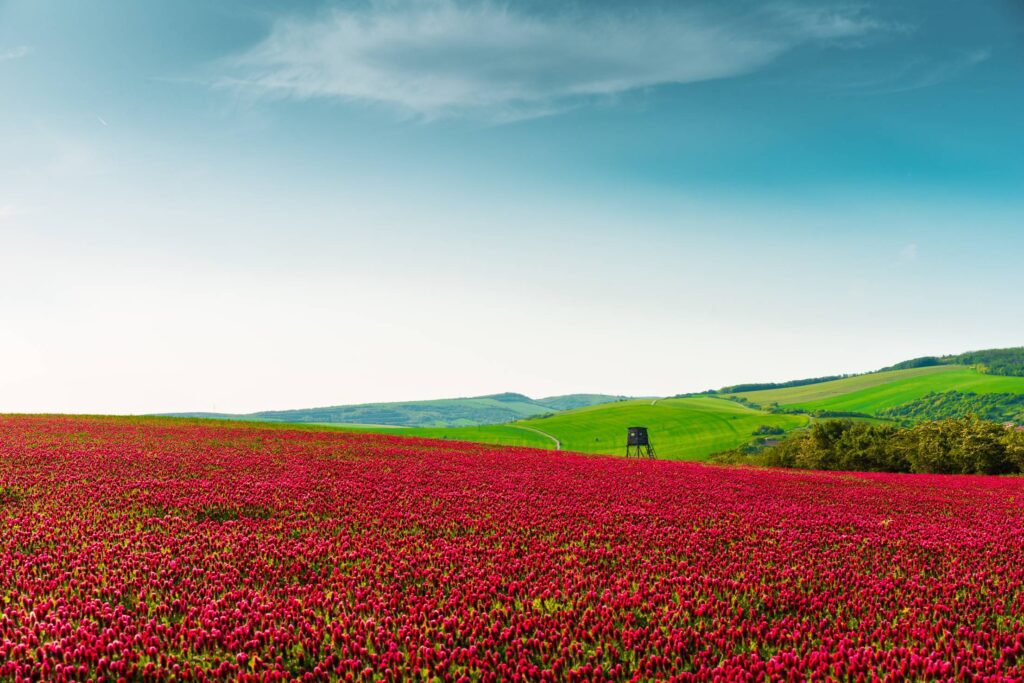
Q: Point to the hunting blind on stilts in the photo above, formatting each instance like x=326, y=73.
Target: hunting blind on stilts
x=638, y=443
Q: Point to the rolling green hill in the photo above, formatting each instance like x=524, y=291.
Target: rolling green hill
x=450, y=412
x=877, y=391
x=573, y=401
x=695, y=426
x=680, y=428
x=500, y=435
x=1007, y=362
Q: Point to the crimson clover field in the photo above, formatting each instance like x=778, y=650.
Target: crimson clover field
x=144, y=549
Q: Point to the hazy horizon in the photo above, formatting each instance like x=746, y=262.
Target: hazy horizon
x=214, y=208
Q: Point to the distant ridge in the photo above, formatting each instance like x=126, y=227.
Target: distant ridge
x=1007, y=362
x=447, y=412
x=929, y=385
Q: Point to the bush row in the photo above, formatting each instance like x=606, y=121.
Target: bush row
x=966, y=445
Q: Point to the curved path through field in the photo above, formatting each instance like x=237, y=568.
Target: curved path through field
x=558, y=444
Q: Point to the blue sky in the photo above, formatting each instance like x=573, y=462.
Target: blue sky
x=209, y=205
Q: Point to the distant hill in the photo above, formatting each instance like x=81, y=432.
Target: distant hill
x=1004, y=362
x=574, y=401
x=448, y=412
x=1005, y=407
x=986, y=383
x=891, y=393
x=692, y=428
x=680, y=428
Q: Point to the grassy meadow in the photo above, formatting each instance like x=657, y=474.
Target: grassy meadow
x=502, y=435
x=681, y=428
x=876, y=391
x=684, y=428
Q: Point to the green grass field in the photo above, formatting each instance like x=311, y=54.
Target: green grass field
x=689, y=428
x=871, y=393
x=502, y=435
x=680, y=428
x=693, y=428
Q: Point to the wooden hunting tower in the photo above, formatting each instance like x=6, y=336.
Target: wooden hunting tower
x=638, y=443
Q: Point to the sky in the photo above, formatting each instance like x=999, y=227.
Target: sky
x=246, y=206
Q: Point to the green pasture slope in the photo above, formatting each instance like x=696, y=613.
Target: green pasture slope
x=685, y=428
x=876, y=391
x=499, y=435
x=680, y=428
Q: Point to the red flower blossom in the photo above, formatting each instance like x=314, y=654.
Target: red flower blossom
x=157, y=550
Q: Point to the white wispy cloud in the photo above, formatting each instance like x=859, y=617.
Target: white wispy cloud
x=921, y=72
x=8, y=212
x=827, y=22
x=14, y=52
x=453, y=57
x=926, y=74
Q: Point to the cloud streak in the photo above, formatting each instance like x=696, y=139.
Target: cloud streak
x=455, y=58
x=920, y=73
x=8, y=212
x=908, y=254
x=12, y=53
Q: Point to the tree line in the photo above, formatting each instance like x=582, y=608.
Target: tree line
x=1007, y=362
x=1003, y=407
x=761, y=386
x=967, y=445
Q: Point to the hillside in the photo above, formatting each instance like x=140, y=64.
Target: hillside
x=451, y=412
x=573, y=401
x=876, y=392
x=1008, y=362
x=695, y=426
x=681, y=428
